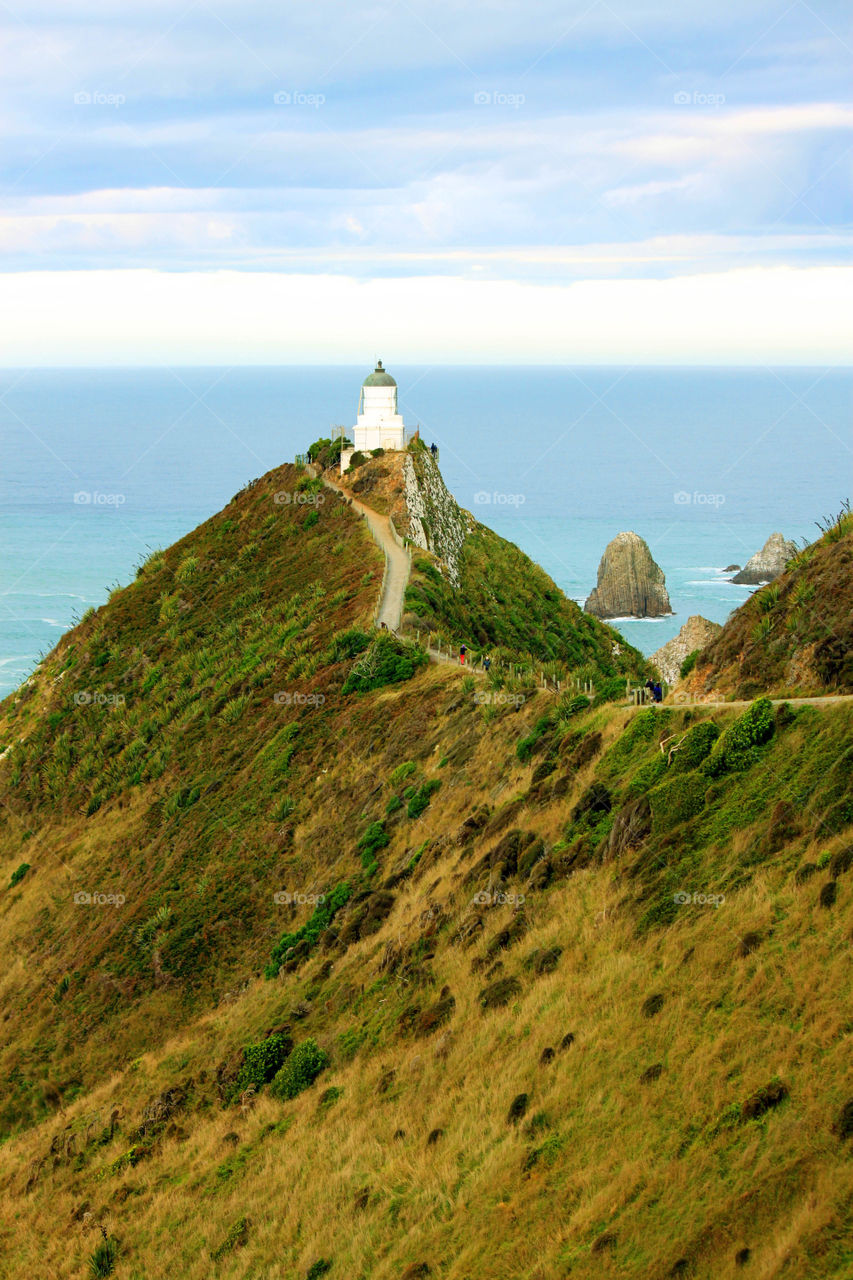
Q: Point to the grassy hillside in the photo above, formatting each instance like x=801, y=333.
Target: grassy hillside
x=417, y=974
x=794, y=636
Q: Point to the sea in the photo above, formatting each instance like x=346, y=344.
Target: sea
x=102, y=466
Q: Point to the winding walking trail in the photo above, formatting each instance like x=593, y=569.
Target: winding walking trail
x=398, y=566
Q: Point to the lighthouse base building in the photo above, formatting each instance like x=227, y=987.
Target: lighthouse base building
x=379, y=425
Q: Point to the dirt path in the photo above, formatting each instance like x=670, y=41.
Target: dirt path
x=398, y=564
x=699, y=701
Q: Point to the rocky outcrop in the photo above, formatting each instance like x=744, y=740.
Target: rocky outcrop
x=767, y=563
x=630, y=584
x=695, y=634
x=436, y=521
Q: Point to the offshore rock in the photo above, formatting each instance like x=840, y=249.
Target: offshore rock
x=767, y=563
x=630, y=583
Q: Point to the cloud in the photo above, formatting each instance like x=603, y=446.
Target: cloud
x=470, y=140
x=776, y=315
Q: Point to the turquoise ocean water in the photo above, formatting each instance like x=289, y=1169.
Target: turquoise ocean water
x=101, y=466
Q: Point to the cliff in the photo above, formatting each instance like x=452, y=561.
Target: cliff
x=630, y=583
x=323, y=961
x=696, y=633
x=767, y=563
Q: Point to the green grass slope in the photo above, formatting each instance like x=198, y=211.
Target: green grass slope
x=415, y=974
x=794, y=636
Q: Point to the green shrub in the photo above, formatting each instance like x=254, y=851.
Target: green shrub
x=402, y=772
x=737, y=748
x=318, y=1269
x=233, y=710
x=301, y=1068
x=647, y=776
x=573, y=706
x=187, y=569
x=321, y=918
x=237, y=1236
x=526, y=746
x=677, y=799
x=310, y=520
x=387, y=661
x=421, y=798
x=18, y=874
x=358, y=459
x=261, y=1061
x=102, y=1261
x=393, y=805
x=347, y=645
x=696, y=746
x=374, y=839
x=611, y=690
x=689, y=663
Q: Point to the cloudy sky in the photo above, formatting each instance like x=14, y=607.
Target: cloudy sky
x=247, y=181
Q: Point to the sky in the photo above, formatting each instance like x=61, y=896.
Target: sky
x=584, y=182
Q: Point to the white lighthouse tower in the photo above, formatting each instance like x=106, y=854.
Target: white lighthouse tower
x=379, y=425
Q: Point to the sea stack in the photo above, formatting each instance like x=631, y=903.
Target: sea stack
x=695, y=634
x=767, y=563
x=630, y=584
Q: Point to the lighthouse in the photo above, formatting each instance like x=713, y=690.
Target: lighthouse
x=379, y=425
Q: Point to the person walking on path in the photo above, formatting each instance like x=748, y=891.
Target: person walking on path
x=462, y=651
x=487, y=662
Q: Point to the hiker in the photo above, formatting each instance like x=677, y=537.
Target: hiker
x=462, y=651
x=433, y=448
x=650, y=685
x=487, y=662
x=657, y=693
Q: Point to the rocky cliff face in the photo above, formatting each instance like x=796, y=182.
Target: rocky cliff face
x=695, y=634
x=767, y=563
x=436, y=521
x=630, y=583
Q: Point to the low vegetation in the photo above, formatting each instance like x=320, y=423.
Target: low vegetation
x=380, y=978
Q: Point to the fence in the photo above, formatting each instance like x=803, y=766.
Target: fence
x=402, y=543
